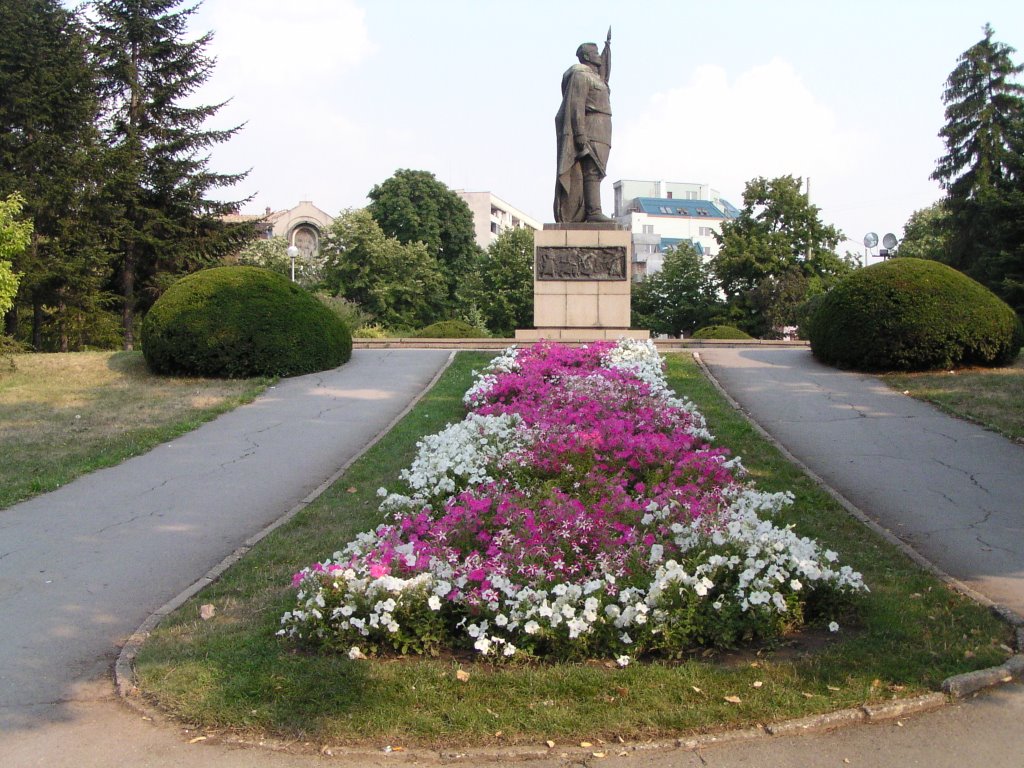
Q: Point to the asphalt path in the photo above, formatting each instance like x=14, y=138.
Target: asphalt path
x=82, y=567
x=951, y=490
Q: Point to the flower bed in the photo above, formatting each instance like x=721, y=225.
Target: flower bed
x=579, y=511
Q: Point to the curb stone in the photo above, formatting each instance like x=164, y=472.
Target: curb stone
x=956, y=686
x=963, y=685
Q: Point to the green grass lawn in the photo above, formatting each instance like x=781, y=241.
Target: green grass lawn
x=992, y=397
x=232, y=673
x=62, y=415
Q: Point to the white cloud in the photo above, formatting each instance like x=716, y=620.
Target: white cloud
x=764, y=122
x=286, y=69
x=297, y=44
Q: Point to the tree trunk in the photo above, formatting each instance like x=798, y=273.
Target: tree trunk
x=62, y=325
x=11, y=321
x=128, y=293
x=37, y=323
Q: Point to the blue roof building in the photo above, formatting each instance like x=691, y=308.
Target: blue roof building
x=663, y=214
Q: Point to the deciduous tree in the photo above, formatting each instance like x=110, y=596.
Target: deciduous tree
x=679, y=298
x=15, y=234
x=399, y=284
x=414, y=206
x=272, y=254
x=926, y=235
x=777, y=236
x=500, y=285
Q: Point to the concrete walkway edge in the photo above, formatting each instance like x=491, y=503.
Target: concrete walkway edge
x=124, y=671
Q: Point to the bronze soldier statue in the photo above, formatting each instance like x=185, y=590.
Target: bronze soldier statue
x=584, y=128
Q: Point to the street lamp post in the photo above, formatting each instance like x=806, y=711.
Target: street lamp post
x=292, y=253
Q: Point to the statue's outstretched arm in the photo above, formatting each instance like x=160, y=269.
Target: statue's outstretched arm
x=606, y=57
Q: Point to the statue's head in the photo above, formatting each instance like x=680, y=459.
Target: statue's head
x=588, y=54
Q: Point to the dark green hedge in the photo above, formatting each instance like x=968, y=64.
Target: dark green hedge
x=450, y=329
x=909, y=315
x=721, y=332
x=234, y=322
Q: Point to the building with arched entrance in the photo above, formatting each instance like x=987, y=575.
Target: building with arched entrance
x=302, y=226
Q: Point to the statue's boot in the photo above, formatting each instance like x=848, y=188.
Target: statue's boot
x=592, y=200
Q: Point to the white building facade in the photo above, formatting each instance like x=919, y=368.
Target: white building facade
x=662, y=214
x=492, y=216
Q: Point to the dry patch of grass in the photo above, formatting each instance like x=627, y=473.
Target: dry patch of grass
x=62, y=415
x=992, y=397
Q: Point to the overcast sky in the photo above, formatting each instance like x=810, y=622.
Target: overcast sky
x=338, y=94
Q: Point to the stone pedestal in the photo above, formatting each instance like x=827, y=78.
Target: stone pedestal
x=581, y=283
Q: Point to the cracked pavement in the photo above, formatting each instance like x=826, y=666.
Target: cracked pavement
x=952, y=490
x=82, y=567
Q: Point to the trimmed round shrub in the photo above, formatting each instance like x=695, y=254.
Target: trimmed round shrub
x=912, y=315
x=721, y=332
x=233, y=322
x=450, y=329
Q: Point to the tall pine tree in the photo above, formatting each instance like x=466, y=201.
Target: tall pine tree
x=983, y=168
x=50, y=152
x=169, y=225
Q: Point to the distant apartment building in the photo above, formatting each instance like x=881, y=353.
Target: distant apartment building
x=492, y=216
x=662, y=214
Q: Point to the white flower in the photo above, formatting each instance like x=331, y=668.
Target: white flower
x=483, y=644
x=702, y=585
x=622, y=661
x=531, y=627
x=355, y=653
x=434, y=603
x=577, y=627
x=833, y=626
